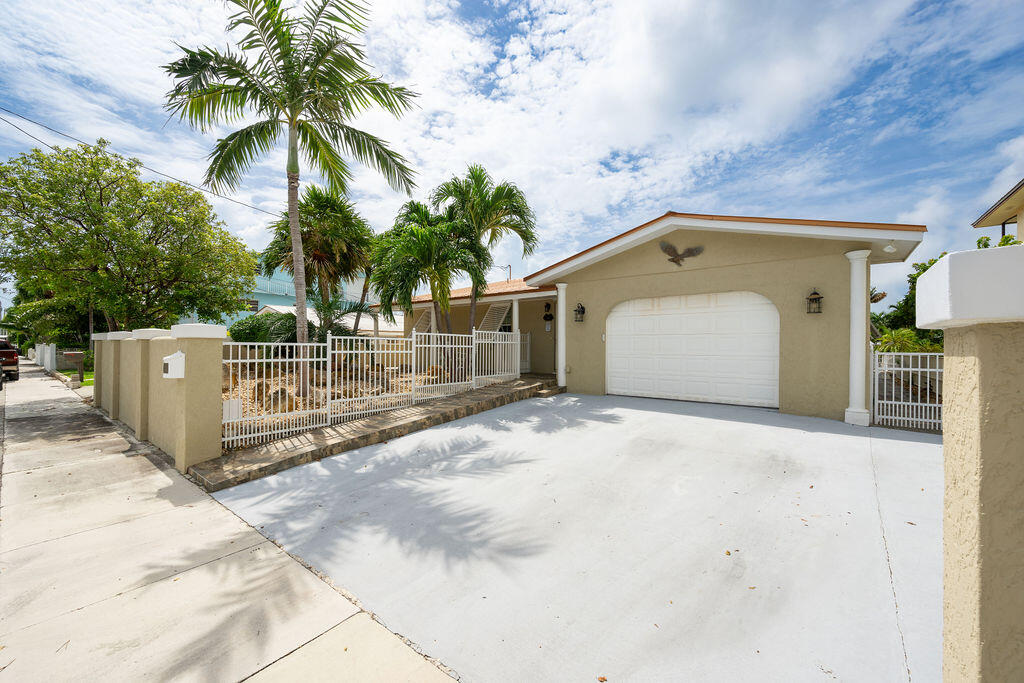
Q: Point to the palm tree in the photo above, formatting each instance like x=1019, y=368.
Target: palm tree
x=424, y=249
x=331, y=311
x=301, y=77
x=490, y=211
x=336, y=240
x=898, y=341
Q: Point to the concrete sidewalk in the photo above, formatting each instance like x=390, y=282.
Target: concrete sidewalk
x=114, y=566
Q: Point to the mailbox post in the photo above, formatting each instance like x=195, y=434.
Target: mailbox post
x=78, y=359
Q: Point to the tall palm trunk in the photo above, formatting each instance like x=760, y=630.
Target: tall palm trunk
x=362, y=299
x=472, y=311
x=298, y=260
x=438, y=325
x=298, y=256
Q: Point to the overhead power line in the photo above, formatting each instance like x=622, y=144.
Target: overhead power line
x=148, y=168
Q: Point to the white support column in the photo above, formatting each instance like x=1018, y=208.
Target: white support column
x=515, y=315
x=857, y=413
x=560, y=333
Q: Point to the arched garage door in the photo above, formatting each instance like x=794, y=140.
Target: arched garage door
x=720, y=348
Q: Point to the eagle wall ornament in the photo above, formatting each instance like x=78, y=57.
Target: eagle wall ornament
x=677, y=257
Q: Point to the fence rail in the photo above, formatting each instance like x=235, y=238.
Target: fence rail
x=907, y=390
x=274, y=390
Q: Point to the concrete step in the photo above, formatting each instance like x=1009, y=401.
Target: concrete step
x=237, y=467
x=550, y=391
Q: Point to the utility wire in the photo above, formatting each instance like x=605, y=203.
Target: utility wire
x=148, y=168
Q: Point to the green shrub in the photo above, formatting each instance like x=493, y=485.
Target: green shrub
x=252, y=328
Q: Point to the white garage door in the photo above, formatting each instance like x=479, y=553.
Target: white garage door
x=721, y=348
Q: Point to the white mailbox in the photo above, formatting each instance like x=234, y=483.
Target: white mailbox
x=174, y=366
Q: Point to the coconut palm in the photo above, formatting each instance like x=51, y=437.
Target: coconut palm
x=491, y=211
x=302, y=78
x=336, y=241
x=424, y=249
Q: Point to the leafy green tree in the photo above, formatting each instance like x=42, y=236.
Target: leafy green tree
x=78, y=225
x=903, y=314
x=336, y=241
x=491, y=211
x=302, y=78
x=424, y=249
x=1004, y=241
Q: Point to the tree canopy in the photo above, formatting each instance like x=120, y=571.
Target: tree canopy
x=78, y=224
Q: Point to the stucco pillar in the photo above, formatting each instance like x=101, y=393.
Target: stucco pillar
x=142, y=379
x=560, y=333
x=972, y=297
x=112, y=373
x=515, y=315
x=857, y=412
x=99, y=342
x=199, y=412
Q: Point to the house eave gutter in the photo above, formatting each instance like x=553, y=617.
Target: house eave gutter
x=669, y=223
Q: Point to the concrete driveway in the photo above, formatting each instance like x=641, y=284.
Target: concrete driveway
x=579, y=537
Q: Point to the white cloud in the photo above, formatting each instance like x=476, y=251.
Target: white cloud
x=607, y=113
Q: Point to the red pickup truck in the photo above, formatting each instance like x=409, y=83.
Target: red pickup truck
x=8, y=360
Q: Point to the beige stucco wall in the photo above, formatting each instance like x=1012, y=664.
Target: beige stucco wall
x=531, y=319
x=110, y=389
x=97, y=367
x=983, y=525
x=185, y=414
x=130, y=377
x=542, y=343
x=814, y=349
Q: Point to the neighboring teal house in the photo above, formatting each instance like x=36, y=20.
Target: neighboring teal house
x=278, y=290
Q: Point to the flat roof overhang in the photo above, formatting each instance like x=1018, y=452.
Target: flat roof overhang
x=1005, y=210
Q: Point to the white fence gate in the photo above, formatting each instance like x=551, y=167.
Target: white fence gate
x=272, y=390
x=907, y=389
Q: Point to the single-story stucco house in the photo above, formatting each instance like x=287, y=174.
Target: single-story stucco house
x=766, y=312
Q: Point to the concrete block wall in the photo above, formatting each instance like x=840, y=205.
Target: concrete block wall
x=182, y=416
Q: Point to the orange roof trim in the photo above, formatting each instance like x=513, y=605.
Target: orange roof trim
x=517, y=286
x=739, y=219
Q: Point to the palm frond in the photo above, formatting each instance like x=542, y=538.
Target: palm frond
x=370, y=151
x=233, y=155
x=322, y=154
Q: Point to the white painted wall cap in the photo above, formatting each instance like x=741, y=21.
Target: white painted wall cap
x=119, y=335
x=199, y=331
x=972, y=288
x=150, y=333
x=99, y=336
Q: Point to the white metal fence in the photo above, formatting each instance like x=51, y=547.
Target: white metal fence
x=907, y=390
x=525, y=363
x=270, y=390
x=273, y=390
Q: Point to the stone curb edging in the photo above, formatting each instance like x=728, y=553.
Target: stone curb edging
x=218, y=474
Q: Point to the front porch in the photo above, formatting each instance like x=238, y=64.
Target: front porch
x=505, y=307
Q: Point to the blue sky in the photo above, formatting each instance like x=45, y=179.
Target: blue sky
x=606, y=113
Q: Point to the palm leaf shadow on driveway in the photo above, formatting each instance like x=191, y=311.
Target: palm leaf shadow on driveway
x=322, y=510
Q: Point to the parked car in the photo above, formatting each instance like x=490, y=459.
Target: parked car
x=8, y=360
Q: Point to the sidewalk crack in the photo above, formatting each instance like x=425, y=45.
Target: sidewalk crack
x=888, y=557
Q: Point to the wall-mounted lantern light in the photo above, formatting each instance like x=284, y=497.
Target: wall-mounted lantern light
x=579, y=312
x=814, y=302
